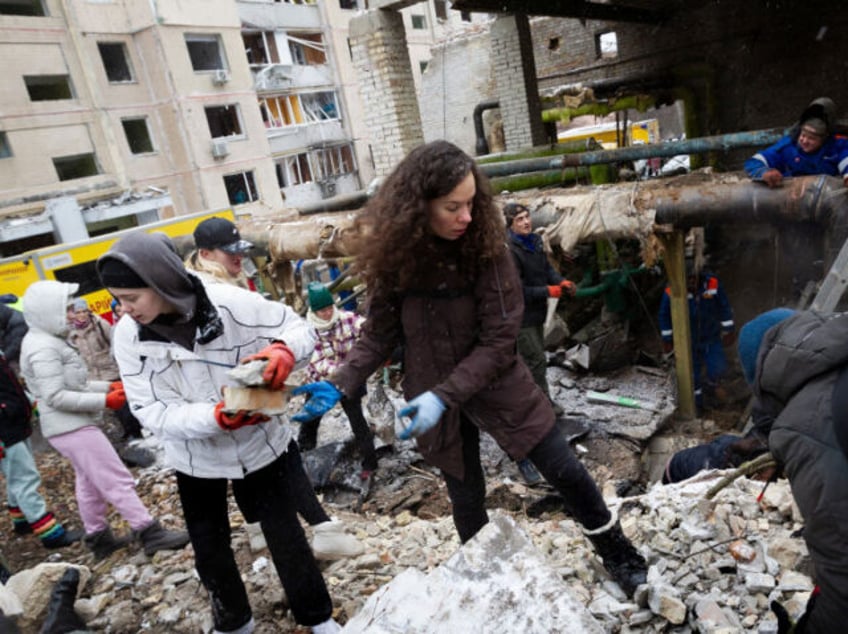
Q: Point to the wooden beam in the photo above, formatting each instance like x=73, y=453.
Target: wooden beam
x=676, y=269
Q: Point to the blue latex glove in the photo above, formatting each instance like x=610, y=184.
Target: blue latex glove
x=425, y=410
x=323, y=396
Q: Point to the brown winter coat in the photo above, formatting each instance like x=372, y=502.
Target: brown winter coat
x=460, y=342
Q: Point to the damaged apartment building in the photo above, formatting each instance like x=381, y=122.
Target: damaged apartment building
x=117, y=114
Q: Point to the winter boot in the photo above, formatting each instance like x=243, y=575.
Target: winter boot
x=19, y=521
x=528, y=472
x=61, y=617
x=330, y=541
x=155, y=538
x=104, y=543
x=621, y=559
x=52, y=534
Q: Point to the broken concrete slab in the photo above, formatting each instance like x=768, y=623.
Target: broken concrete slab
x=499, y=572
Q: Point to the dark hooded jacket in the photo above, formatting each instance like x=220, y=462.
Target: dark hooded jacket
x=12, y=330
x=15, y=408
x=459, y=341
x=536, y=275
x=798, y=364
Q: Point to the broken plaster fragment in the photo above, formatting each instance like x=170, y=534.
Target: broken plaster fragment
x=249, y=374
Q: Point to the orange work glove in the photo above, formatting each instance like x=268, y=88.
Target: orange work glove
x=116, y=399
x=555, y=291
x=234, y=420
x=116, y=385
x=568, y=287
x=772, y=178
x=280, y=363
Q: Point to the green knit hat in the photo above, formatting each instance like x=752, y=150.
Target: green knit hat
x=319, y=296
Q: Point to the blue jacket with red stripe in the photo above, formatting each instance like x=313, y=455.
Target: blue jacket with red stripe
x=710, y=314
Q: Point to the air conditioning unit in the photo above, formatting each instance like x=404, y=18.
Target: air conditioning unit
x=328, y=189
x=221, y=77
x=219, y=149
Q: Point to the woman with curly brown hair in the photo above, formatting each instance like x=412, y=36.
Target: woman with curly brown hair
x=442, y=282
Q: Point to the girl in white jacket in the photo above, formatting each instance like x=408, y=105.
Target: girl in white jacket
x=174, y=351
x=67, y=402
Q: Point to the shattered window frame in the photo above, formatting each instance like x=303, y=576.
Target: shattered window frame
x=118, y=71
x=47, y=87
x=260, y=42
x=307, y=49
x=334, y=161
x=138, y=143
x=224, y=121
x=205, y=52
x=74, y=166
x=293, y=169
x=241, y=188
x=320, y=106
x=281, y=111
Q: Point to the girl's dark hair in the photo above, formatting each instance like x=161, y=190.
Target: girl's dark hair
x=393, y=229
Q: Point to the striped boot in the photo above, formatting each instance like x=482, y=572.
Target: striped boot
x=19, y=521
x=52, y=534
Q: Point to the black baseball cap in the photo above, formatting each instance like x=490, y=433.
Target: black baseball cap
x=220, y=233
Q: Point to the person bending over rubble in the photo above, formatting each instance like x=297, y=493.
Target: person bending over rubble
x=57, y=377
x=442, y=281
x=797, y=366
x=174, y=352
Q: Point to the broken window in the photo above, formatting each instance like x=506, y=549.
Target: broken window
x=441, y=7
x=241, y=188
x=48, y=87
x=138, y=135
x=320, y=106
x=279, y=112
x=293, y=170
x=347, y=4
x=261, y=48
x=419, y=21
x=205, y=52
x=606, y=45
x=223, y=121
x=334, y=161
x=5, y=149
x=22, y=7
x=115, y=61
x=76, y=166
x=307, y=48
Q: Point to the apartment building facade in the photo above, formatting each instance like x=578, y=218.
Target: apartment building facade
x=117, y=113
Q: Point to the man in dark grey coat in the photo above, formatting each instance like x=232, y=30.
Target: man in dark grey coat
x=12, y=331
x=794, y=361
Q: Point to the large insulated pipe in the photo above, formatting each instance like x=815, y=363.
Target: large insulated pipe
x=482, y=146
x=724, y=142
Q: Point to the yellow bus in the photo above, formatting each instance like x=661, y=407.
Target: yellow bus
x=647, y=131
x=74, y=261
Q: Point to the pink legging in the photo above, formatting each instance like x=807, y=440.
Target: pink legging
x=101, y=479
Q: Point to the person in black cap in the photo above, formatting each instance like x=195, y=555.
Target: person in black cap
x=219, y=253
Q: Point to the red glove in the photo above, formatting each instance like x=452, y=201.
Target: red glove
x=555, y=291
x=116, y=399
x=280, y=363
x=116, y=385
x=234, y=420
x=772, y=178
x=668, y=346
x=568, y=287
x=728, y=338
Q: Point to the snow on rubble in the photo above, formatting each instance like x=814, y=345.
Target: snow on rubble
x=715, y=565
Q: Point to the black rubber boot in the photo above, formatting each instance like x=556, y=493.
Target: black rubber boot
x=61, y=617
x=621, y=559
x=104, y=543
x=155, y=538
x=65, y=539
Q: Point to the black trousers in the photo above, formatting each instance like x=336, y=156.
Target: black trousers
x=352, y=406
x=266, y=496
x=554, y=459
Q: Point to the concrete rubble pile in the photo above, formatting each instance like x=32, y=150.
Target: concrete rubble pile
x=714, y=568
